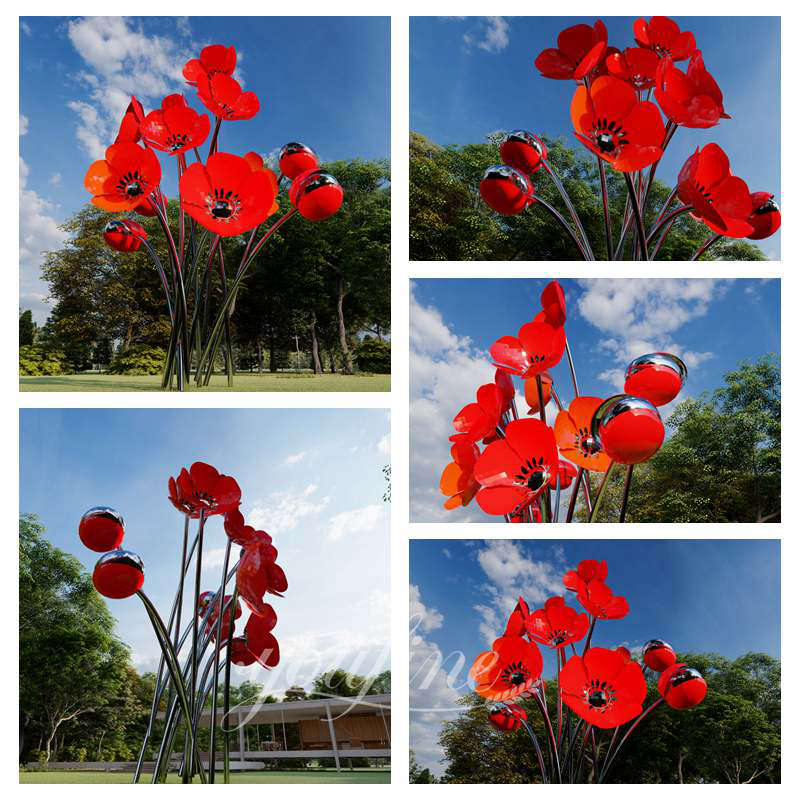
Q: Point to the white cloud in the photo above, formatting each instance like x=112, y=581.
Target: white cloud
x=23, y=124
x=429, y=619
x=120, y=61
x=446, y=370
x=38, y=231
x=385, y=445
x=26, y=29
x=359, y=520
x=214, y=558
x=295, y=458
x=490, y=34
x=640, y=316
x=282, y=511
x=55, y=179
x=510, y=574
x=435, y=685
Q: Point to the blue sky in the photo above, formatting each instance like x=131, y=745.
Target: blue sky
x=474, y=75
x=720, y=596
x=322, y=81
x=311, y=478
x=609, y=322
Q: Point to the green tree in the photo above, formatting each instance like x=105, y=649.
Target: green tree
x=70, y=662
x=721, y=462
x=449, y=222
x=27, y=328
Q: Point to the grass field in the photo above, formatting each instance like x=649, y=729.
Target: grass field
x=245, y=382
x=293, y=776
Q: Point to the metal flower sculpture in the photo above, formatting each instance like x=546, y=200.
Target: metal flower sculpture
x=526, y=463
x=600, y=691
x=616, y=120
x=224, y=195
x=199, y=493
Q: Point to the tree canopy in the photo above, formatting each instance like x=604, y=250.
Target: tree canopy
x=721, y=462
x=316, y=288
x=449, y=221
x=733, y=736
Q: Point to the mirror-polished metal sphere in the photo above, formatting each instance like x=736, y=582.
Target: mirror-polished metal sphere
x=101, y=528
x=295, y=158
x=658, y=655
x=523, y=151
x=118, y=574
x=657, y=377
x=317, y=196
x=685, y=688
x=629, y=428
x=506, y=190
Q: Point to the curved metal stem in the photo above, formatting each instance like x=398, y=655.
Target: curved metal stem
x=574, y=496
x=571, y=208
x=197, y=575
x=553, y=750
x=709, y=243
x=668, y=218
x=563, y=223
x=601, y=165
x=637, y=214
x=601, y=491
x=538, y=749
x=627, y=734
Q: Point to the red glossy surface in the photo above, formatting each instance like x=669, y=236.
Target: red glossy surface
x=588, y=570
x=293, y=164
x=215, y=58
x=514, y=471
x=478, y=420
x=125, y=237
x=131, y=120
x=603, y=687
x=691, y=99
x=222, y=95
x=554, y=305
x=314, y=200
x=719, y=199
x=532, y=392
x=599, y=600
x=765, y=217
x=523, y=156
x=573, y=429
x=175, y=127
x=517, y=619
x=557, y=624
x=580, y=51
x=563, y=475
x=258, y=574
x=101, y=534
x=458, y=482
x=505, y=196
x=240, y=654
x=201, y=489
x=659, y=658
x=685, y=694
x=260, y=641
x=633, y=436
x=636, y=65
x=117, y=580
x=657, y=383
x=226, y=196
x=664, y=37
x=615, y=125
x=507, y=718
x=507, y=671
x=124, y=178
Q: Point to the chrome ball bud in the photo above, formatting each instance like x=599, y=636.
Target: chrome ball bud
x=682, y=687
x=658, y=655
x=295, y=158
x=629, y=428
x=317, y=195
x=101, y=529
x=118, y=574
x=506, y=190
x=657, y=377
x=523, y=151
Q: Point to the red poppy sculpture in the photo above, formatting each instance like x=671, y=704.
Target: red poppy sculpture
x=626, y=108
x=602, y=695
x=517, y=466
x=197, y=653
x=220, y=194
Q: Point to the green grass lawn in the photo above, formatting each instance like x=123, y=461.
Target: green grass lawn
x=245, y=382
x=288, y=776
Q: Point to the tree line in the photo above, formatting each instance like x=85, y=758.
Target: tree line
x=80, y=698
x=317, y=297
x=449, y=221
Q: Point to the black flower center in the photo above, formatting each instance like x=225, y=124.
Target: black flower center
x=130, y=184
x=515, y=674
x=599, y=695
x=703, y=192
x=534, y=474
x=223, y=205
x=586, y=443
x=609, y=135
x=768, y=207
x=177, y=140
